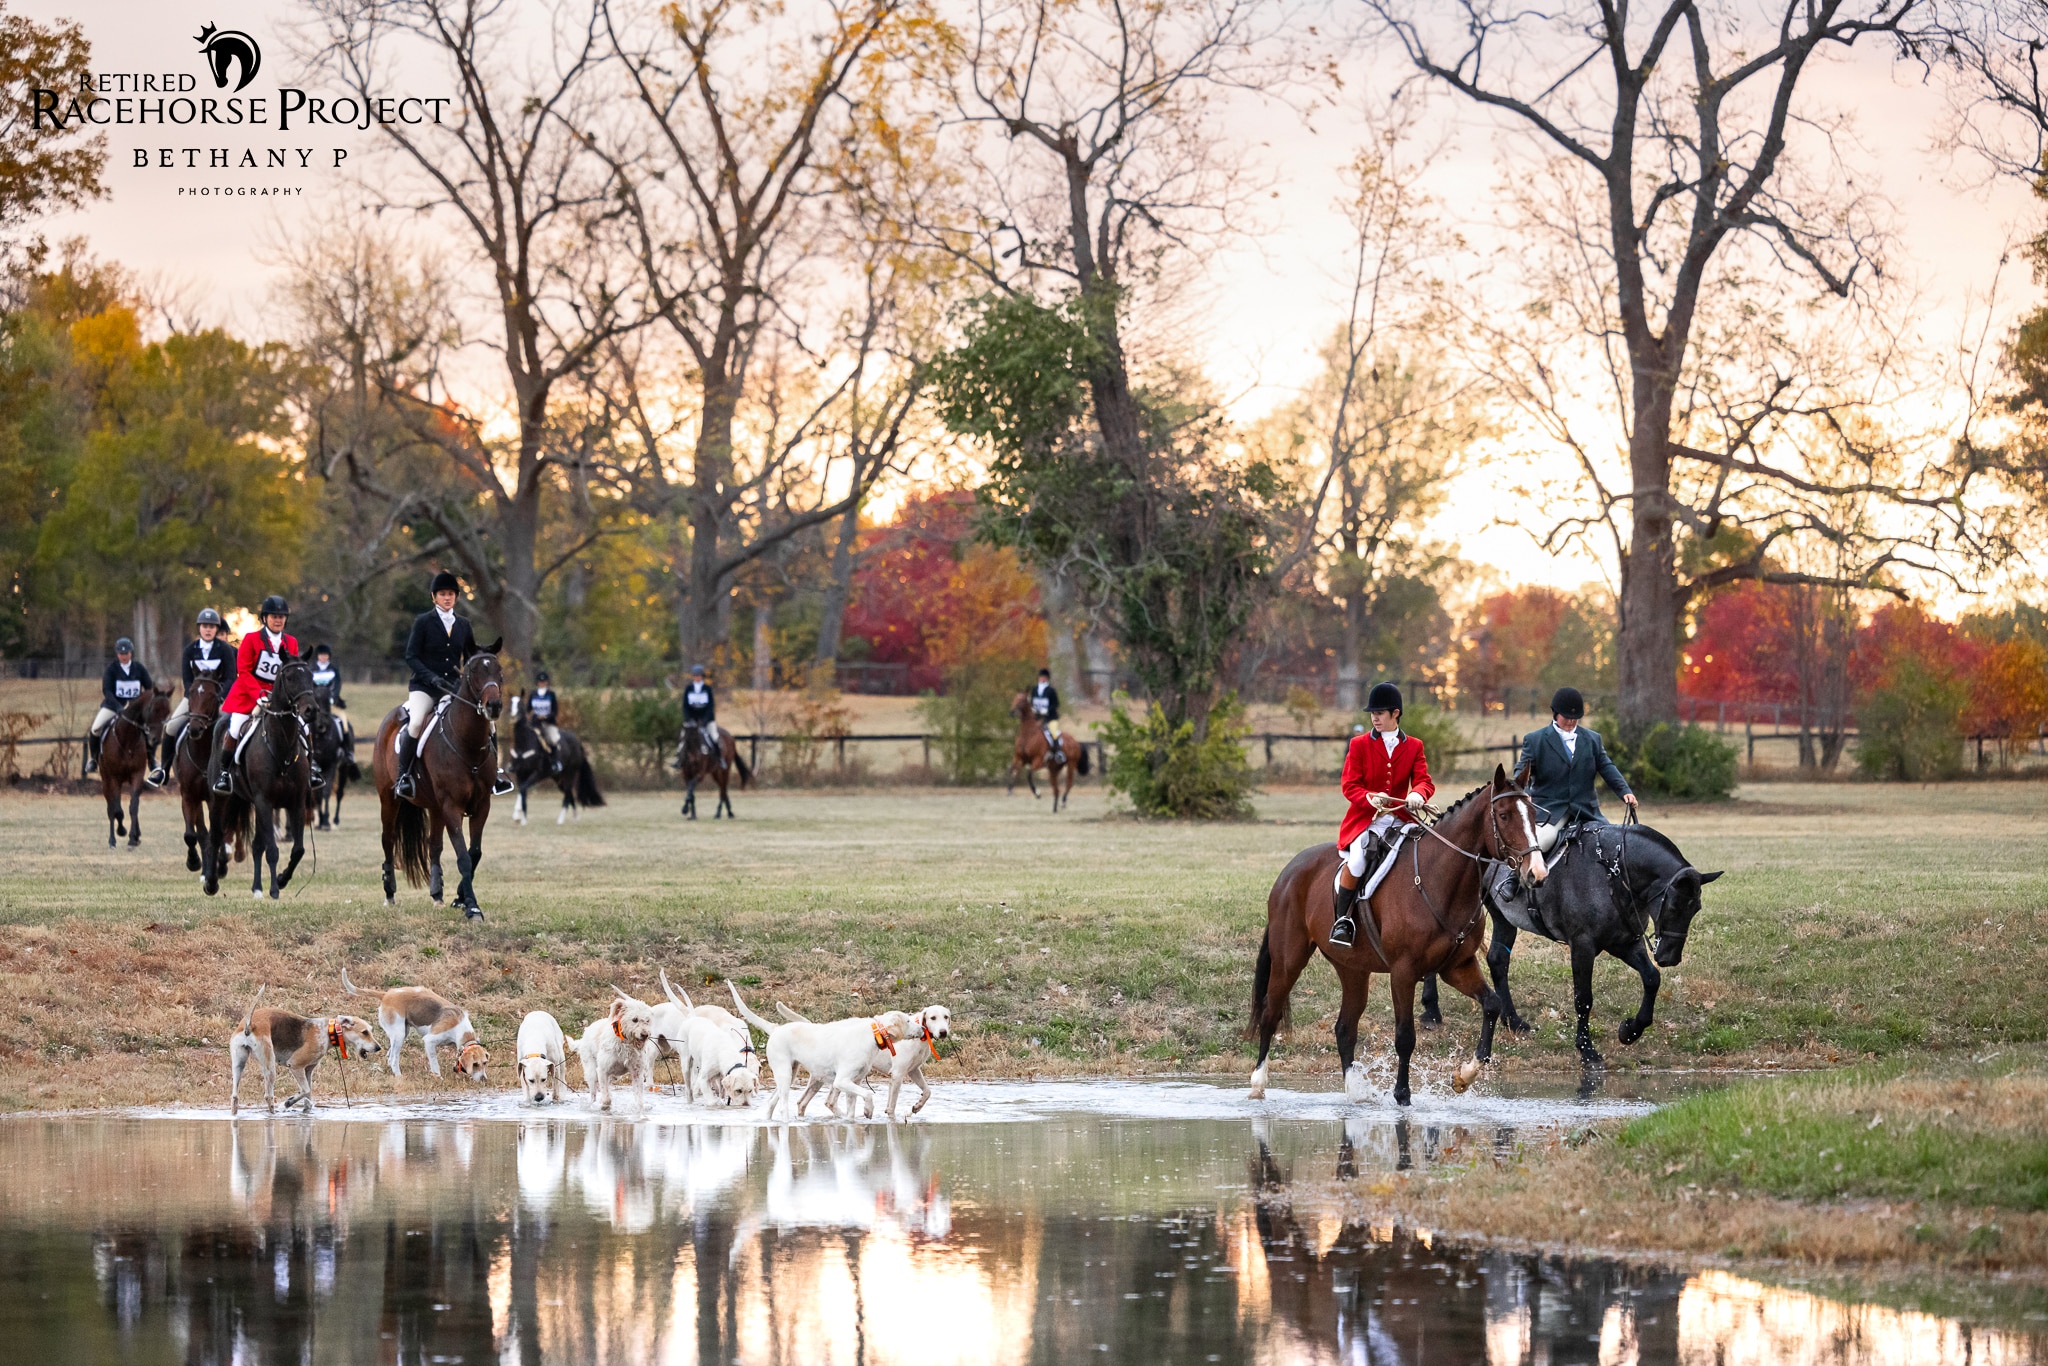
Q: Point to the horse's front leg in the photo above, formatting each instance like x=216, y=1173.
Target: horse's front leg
x=1432, y=1009
x=1031, y=780
x=1497, y=957
x=467, y=852
x=1355, y=985
x=690, y=798
x=192, y=842
x=1467, y=978
x=1638, y=957
x=1404, y=1029
x=295, y=822
x=135, y=814
x=1583, y=954
x=265, y=836
x=435, y=883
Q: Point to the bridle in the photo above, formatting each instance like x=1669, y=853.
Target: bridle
x=478, y=702
x=1515, y=859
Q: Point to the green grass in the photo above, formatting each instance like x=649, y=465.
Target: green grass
x=1852, y=924
x=1969, y=1137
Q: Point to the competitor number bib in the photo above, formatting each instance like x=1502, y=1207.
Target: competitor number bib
x=127, y=689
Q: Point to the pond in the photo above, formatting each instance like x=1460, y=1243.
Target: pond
x=1012, y=1223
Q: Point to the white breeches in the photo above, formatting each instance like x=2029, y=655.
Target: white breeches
x=174, y=726
x=1052, y=728
x=1546, y=836
x=551, y=733
x=238, y=721
x=102, y=718
x=418, y=707
x=712, y=732
x=1354, y=857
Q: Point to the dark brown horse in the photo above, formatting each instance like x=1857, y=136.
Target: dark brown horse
x=1425, y=917
x=273, y=776
x=190, y=764
x=453, y=775
x=697, y=758
x=1034, y=751
x=125, y=754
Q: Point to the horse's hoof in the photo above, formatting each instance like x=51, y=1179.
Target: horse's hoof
x=390, y=901
x=439, y=904
x=258, y=894
x=1590, y=1056
x=1400, y=1095
x=1468, y=1072
x=1520, y=1027
x=192, y=865
x=1356, y=1089
x=1630, y=1031
x=1432, y=1019
x=472, y=913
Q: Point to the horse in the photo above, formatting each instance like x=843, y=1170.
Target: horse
x=453, y=774
x=275, y=776
x=1610, y=888
x=1034, y=751
x=334, y=748
x=125, y=754
x=190, y=762
x=697, y=758
x=530, y=764
x=1424, y=917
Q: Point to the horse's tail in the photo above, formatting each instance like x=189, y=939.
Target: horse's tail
x=586, y=785
x=1262, y=977
x=746, y=774
x=1081, y=759
x=412, y=843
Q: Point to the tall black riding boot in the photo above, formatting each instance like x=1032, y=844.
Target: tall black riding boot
x=92, y=756
x=221, y=778
x=1345, y=931
x=407, y=750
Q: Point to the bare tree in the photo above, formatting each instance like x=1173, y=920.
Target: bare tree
x=759, y=222
x=508, y=176
x=1688, y=184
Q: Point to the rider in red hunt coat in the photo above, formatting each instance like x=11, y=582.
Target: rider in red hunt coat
x=1386, y=762
x=263, y=652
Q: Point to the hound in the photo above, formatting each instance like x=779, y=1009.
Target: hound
x=438, y=1021
x=844, y=1051
x=905, y=1062
x=543, y=1064
x=301, y=1040
x=723, y=1065
x=615, y=1044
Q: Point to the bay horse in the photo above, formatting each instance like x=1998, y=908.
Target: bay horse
x=273, y=777
x=131, y=742
x=530, y=764
x=697, y=758
x=1424, y=917
x=1610, y=889
x=453, y=775
x=334, y=748
x=1034, y=751
x=190, y=764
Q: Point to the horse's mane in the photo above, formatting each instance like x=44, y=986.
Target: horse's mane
x=1660, y=839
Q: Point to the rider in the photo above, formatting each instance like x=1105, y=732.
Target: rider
x=208, y=657
x=440, y=644
x=700, y=706
x=1045, y=705
x=257, y=663
x=1562, y=760
x=1385, y=763
x=543, y=707
x=124, y=680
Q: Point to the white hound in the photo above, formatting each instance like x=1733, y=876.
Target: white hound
x=615, y=1044
x=906, y=1063
x=844, y=1051
x=543, y=1058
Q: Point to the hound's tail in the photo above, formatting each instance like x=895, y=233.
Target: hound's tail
x=351, y=988
x=791, y=1015
x=586, y=786
x=682, y=999
x=248, y=1025
x=765, y=1026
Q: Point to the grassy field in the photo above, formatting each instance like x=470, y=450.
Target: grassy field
x=1855, y=922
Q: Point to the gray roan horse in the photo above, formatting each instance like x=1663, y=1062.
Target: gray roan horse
x=1610, y=889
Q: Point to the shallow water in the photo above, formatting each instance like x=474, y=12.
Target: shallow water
x=1011, y=1223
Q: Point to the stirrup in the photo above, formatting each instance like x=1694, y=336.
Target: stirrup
x=503, y=787
x=156, y=777
x=224, y=783
x=1344, y=932
x=402, y=785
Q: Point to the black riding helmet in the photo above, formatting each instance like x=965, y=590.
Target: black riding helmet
x=541, y=677
x=124, y=646
x=274, y=606
x=445, y=582
x=1384, y=697
x=322, y=649
x=1567, y=703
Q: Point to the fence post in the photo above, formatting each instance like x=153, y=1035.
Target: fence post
x=926, y=740
x=754, y=750
x=1269, y=749
x=840, y=758
x=1752, y=749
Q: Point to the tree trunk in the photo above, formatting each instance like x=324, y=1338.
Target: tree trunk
x=838, y=592
x=1348, y=650
x=704, y=628
x=764, y=648
x=1647, y=649
x=148, y=633
x=1101, y=678
x=1057, y=597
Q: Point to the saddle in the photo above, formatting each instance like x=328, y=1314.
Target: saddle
x=433, y=720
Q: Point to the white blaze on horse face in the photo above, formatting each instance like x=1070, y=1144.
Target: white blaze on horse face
x=1537, y=872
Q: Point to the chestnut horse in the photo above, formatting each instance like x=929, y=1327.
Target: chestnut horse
x=190, y=763
x=1425, y=917
x=1033, y=752
x=131, y=742
x=453, y=774
x=697, y=758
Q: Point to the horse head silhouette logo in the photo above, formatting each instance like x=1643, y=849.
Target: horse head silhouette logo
x=223, y=46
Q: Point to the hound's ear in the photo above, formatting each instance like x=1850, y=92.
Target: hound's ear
x=1705, y=878
x=618, y=1006
x=493, y=647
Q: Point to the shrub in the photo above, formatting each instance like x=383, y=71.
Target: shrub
x=1689, y=763
x=972, y=726
x=1164, y=771
x=644, y=724
x=1910, y=726
x=1440, y=734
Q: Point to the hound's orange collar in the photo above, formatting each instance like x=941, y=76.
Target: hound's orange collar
x=925, y=1029
x=618, y=1031
x=337, y=1040
x=882, y=1039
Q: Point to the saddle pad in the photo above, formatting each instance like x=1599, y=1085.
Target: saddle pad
x=433, y=719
